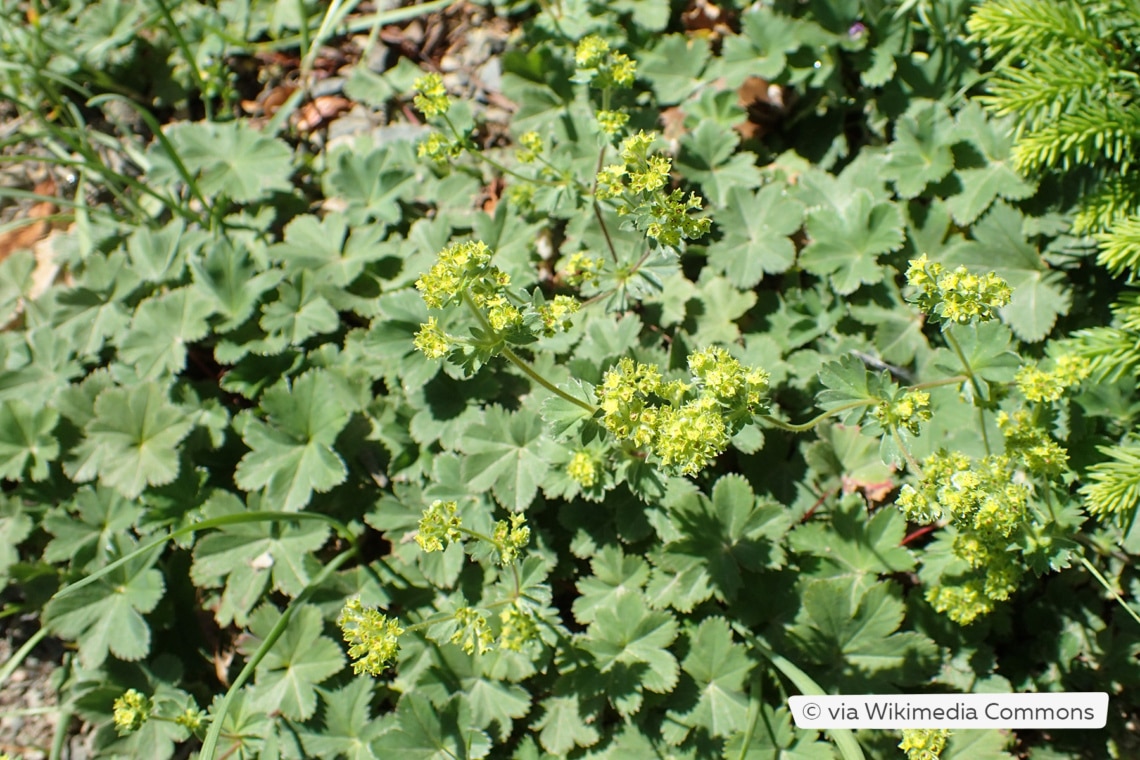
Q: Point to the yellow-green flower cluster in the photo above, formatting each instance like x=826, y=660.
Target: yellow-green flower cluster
x=531, y=147
x=673, y=222
x=555, y=314
x=664, y=216
x=682, y=431
x=431, y=340
x=431, y=99
x=727, y=380
x=464, y=271
x=519, y=628
x=373, y=638
x=510, y=539
x=438, y=148
x=439, y=526
x=610, y=182
x=647, y=172
x=1039, y=453
x=583, y=469
x=691, y=436
x=957, y=297
x=131, y=711
x=1039, y=385
x=924, y=743
x=907, y=413
x=974, y=496
x=581, y=268
x=963, y=603
x=601, y=66
x=988, y=509
x=473, y=633
x=459, y=266
x=612, y=122
x=191, y=718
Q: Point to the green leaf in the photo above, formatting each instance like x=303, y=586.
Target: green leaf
x=15, y=526
x=920, y=153
x=756, y=239
x=107, y=615
x=83, y=532
x=854, y=634
x=247, y=556
x=159, y=255
x=727, y=535
x=850, y=387
x=504, y=455
x=162, y=327
x=326, y=248
x=774, y=736
x=1039, y=293
x=94, y=309
x=673, y=66
x=719, y=304
x=231, y=159
x=369, y=182
x=709, y=157
x=996, y=178
x=846, y=241
x=292, y=454
x=230, y=277
x=562, y=727
x=26, y=436
x=347, y=727
x=855, y=544
x=425, y=732
x=299, y=660
x=300, y=311
x=388, y=344
x=761, y=48
x=630, y=634
x=614, y=576
x=132, y=440
x=985, y=348
x=719, y=667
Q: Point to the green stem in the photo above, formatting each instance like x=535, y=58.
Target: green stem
x=803, y=427
x=526, y=368
x=533, y=375
x=1108, y=587
x=495, y=164
x=20, y=655
x=598, y=208
x=910, y=460
x=849, y=748
x=978, y=394
x=210, y=743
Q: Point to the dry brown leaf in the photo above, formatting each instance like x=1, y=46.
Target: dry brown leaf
x=320, y=111
x=28, y=235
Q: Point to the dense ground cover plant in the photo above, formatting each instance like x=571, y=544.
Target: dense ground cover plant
x=488, y=442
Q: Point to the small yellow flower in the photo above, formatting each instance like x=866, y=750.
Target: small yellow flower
x=583, y=469
x=432, y=99
x=510, y=539
x=373, y=638
x=439, y=526
x=473, y=633
x=131, y=711
x=923, y=743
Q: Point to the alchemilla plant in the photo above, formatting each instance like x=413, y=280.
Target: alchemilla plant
x=663, y=363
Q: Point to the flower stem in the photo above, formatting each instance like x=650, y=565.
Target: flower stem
x=528, y=370
x=805, y=426
x=1108, y=587
x=978, y=394
x=533, y=375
